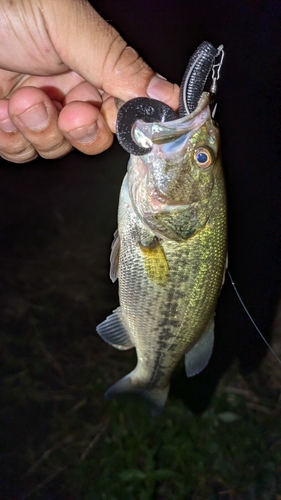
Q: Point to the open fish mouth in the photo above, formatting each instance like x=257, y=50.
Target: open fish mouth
x=169, y=138
x=139, y=119
x=155, y=134
x=167, y=142
x=153, y=177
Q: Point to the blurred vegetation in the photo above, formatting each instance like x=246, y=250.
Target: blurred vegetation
x=62, y=441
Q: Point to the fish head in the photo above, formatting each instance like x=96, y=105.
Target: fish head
x=171, y=186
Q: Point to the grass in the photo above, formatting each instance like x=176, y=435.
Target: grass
x=63, y=441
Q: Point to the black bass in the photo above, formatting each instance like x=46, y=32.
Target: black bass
x=169, y=253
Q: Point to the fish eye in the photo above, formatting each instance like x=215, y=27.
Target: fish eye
x=203, y=157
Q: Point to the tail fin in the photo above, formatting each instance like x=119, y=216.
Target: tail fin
x=155, y=399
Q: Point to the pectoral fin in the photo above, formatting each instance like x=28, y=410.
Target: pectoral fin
x=113, y=331
x=114, y=257
x=198, y=357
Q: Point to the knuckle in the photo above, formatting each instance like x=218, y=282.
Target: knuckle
x=14, y=147
x=23, y=156
x=124, y=67
x=54, y=150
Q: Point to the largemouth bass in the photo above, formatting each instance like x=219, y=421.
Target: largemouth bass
x=169, y=253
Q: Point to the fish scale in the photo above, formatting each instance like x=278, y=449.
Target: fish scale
x=172, y=256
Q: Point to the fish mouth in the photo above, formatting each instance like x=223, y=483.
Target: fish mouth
x=146, y=135
x=169, y=143
x=134, y=140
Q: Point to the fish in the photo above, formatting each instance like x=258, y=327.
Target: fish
x=169, y=252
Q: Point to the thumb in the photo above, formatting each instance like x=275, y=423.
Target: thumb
x=87, y=44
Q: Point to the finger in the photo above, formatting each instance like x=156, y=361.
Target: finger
x=85, y=128
x=55, y=86
x=109, y=111
x=13, y=145
x=36, y=117
x=71, y=34
x=82, y=126
x=8, y=81
x=84, y=92
x=81, y=123
x=105, y=61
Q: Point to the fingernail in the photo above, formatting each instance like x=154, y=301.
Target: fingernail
x=35, y=118
x=160, y=76
x=118, y=103
x=158, y=88
x=85, y=134
x=7, y=125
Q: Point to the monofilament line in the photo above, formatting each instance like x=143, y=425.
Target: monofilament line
x=250, y=317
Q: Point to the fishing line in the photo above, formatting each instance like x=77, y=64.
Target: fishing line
x=250, y=317
x=215, y=77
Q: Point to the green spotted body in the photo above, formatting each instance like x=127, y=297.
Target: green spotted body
x=169, y=255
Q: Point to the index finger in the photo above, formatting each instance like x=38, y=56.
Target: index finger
x=87, y=44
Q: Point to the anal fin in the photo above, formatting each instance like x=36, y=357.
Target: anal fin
x=113, y=331
x=198, y=357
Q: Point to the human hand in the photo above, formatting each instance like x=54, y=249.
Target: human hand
x=61, y=66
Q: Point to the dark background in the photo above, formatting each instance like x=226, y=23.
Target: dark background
x=56, y=204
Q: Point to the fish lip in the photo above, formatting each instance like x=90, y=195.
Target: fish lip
x=204, y=101
x=159, y=132
x=148, y=134
x=139, y=169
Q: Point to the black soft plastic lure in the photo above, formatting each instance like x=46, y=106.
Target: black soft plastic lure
x=151, y=110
